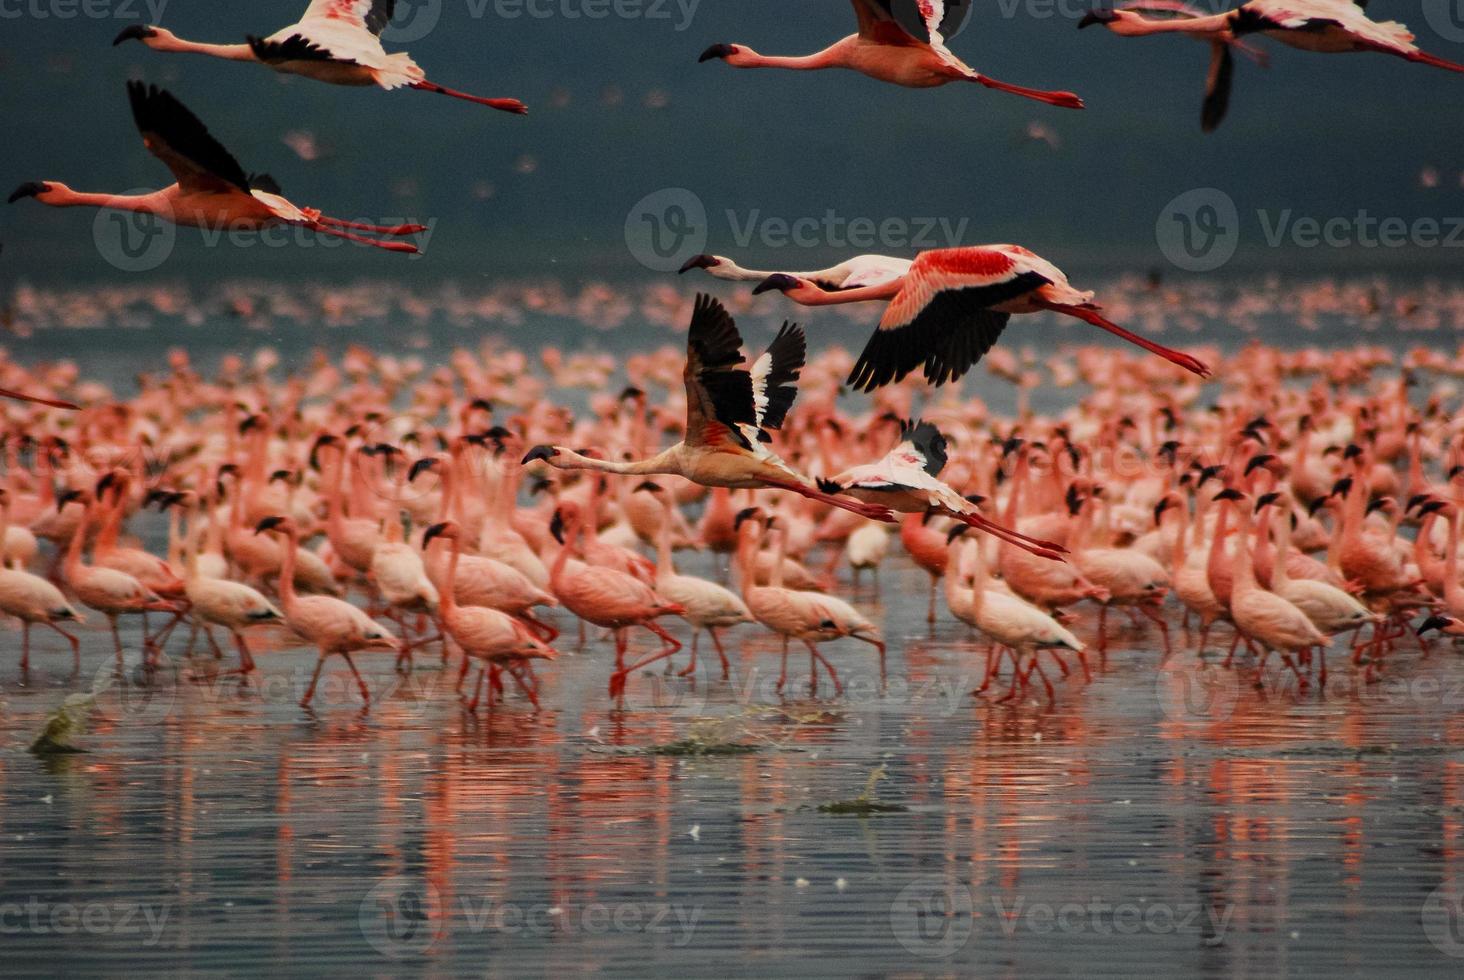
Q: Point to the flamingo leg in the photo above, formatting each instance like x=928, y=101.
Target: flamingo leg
x=360, y=681
x=314, y=678
x=717, y=642
x=378, y=229
x=1092, y=316
x=783, y=674
x=1065, y=100
x=691, y=667
x=820, y=658
x=503, y=105
x=25, y=646
x=319, y=228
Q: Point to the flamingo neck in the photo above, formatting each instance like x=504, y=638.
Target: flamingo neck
x=665, y=563
x=229, y=52
x=1136, y=26
x=447, y=590
x=139, y=203
x=287, y=571
x=1453, y=591
x=1245, y=572
x=570, y=460
x=813, y=296
x=730, y=271
x=830, y=57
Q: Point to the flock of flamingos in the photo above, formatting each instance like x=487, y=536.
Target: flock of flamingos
x=1314, y=499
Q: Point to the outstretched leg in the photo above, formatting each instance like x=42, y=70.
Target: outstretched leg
x=316, y=226
x=503, y=105
x=378, y=229
x=1089, y=315
x=1065, y=100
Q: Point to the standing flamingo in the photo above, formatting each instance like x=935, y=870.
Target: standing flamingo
x=212, y=190
x=952, y=306
x=332, y=625
x=886, y=50
x=729, y=414
x=31, y=599
x=336, y=41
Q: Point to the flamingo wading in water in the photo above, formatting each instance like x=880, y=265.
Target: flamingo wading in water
x=887, y=50
x=336, y=41
x=212, y=191
x=952, y=306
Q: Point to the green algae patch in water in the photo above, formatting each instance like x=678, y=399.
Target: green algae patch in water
x=864, y=804
x=64, y=725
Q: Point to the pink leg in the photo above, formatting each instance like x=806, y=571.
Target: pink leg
x=379, y=229
x=310, y=691
x=691, y=667
x=1087, y=315
x=1065, y=100
x=75, y=646
x=360, y=681
x=337, y=233
x=25, y=645
x=717, y=642
x=505, y=105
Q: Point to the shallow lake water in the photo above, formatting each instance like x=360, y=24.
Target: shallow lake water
x=1169, y=813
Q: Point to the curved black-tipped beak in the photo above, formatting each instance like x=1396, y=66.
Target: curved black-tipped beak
x=136, y=32
x=556, y=527
x=746, y=514
x=780, y=281
x=66, y=498
x=419, y=467
x=31, y=188
x=1434, y=623
x=1257, y=462
x=698, y=262
x=431, y=533
x=956, y=532
x=1229, y=495
x=268, y=524
x=717, y=51
x=1266, y=500
x=539, y=452
x=1096, y=17
x=648, y=487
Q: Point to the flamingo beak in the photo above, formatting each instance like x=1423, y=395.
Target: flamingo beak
x=717, y=51
x=29, y=189
x=780, y=281
x=1096, y=17
x=136, y=32
x=431, y=533
x=699, y=262
x=539, y=452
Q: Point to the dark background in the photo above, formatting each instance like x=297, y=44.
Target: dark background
x=1323, y=135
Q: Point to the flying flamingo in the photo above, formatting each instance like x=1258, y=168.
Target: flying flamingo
x=332, y=625
x=212, y=190
x=1324, y=26
x=886, y=50
x=1128, y=20
x=336, y=41
x=952, y=306
x=729, y=413
x=907, y=480
x=861, y=270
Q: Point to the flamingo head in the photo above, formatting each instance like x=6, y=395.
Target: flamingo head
x=447, y=530
x=754, y=514
x=565, y=515
x=780, y=281
x=138, y=32
x=422, y=466
x=1104, y=16
x=648, y=487
x=700, y=262
x=545, y=453
x=1444, y=624
x=724, y=52
x=276, y=524
x=1265, y=500
x=34, y=188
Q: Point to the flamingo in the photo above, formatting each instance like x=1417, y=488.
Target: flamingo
x=729, y=414
x=1324, y=26
x=952, y=306
x=886, y=50
x=861, y=270
x=336, y=41
x=608, y=598
x=1221, y=40
x=907, y=480
x=31, y=599
x=706, y=605
x=332, y=625
x=493, y=637
x=212, y=190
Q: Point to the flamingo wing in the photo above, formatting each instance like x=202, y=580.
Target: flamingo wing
x=942, y=316
x=371, y=16
x=775, y=376
x=921, y=445
x=877, y=23
x=719, y=398
x=1217, y=87
x=177, y=137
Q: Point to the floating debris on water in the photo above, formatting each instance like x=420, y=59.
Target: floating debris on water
x=64, y=725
